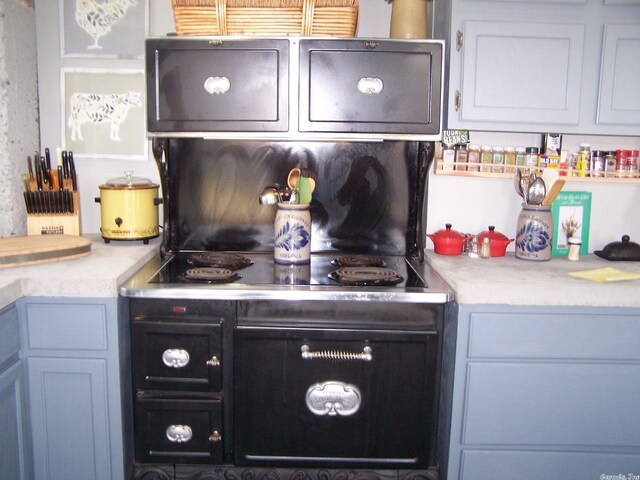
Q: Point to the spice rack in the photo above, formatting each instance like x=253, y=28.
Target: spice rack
x=565, y=174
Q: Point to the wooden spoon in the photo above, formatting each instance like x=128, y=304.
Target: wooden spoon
x=553, y=192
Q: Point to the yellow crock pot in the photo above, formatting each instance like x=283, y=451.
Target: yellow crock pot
x=129, y=208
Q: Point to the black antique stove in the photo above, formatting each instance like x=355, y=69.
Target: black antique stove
x=246, y=368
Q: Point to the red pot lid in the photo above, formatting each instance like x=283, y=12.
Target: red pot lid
x=492, y=234
x=447, y=233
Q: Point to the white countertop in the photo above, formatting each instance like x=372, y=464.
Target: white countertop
x=511, y=281
x=504, y=280
x=98, y=274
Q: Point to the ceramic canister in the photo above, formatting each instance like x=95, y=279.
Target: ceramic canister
x=292, y=228
x=534, y=233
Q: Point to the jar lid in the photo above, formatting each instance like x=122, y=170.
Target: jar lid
x=474, y=147
x=447, y=232
x=492, y=234
x=129, y=181
x=533, y=150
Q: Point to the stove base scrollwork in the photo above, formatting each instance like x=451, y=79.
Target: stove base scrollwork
x=191, y=472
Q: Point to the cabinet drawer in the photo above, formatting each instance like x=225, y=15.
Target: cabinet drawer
x=177, y=355
x=199, y=86
x=554, y=336
x=582, y=404
x=178, y=430
x=9, y=335
x=370, y=86
x=68, y=327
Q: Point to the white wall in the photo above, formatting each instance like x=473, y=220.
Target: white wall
x=469, y=204
x=18, y=109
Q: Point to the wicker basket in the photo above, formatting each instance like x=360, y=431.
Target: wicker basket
x=338, y=18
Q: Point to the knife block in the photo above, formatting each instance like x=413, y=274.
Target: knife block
x=55, y=223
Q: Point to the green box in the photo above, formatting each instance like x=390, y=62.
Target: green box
x=571, y=213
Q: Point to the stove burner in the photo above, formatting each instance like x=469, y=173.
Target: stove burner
x=358, y=261
x=365, y=276
x=210, y=275
x=231, y=261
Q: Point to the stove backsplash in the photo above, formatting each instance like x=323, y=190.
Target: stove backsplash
x=369, y=197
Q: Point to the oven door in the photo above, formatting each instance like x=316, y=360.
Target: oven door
x=326, y=397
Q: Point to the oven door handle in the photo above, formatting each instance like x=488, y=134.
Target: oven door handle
x=337, y=355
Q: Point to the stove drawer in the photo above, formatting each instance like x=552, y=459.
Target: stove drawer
x=177, y=356
x=169, y=430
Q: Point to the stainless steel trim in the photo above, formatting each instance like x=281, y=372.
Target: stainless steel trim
x=138, y=286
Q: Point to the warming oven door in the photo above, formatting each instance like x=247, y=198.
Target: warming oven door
x=307, y=396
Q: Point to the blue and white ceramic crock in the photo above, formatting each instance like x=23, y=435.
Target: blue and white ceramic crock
x=292, y=234
x=534, y=233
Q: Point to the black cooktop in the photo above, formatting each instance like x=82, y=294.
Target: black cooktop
x=219, y=268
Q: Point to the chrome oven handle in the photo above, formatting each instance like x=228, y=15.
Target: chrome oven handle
x=175, y=358
x=337, y=355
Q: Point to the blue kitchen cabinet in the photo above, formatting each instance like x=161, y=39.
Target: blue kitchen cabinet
x=78, y=388
x=545, y=393
x=14, y=449
x=565, y=66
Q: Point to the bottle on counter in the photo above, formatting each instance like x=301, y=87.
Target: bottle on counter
x=575, y=243
x=485, y=248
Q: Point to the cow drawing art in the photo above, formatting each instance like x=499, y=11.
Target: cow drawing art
x=99, y=109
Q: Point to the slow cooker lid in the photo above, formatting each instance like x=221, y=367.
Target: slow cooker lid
x=129, y=181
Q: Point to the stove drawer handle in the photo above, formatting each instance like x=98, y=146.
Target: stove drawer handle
x=337, y=355
x=179, y=433
x=175, y=358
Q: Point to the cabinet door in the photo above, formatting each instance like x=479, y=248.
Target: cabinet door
x=13, y=444
x=223, y=86
x=619, y=95
x=520, y=74
x=370, y=86
x=69, y=417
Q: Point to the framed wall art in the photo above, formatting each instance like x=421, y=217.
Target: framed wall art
x=103, y=28
x=104, y=113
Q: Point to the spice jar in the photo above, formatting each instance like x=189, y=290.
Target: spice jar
x=574, y=248
x=497, y=159
x=485, y=248
x=473, y=157
x=521, y=156
x=461, y=157
x=486, y=157
x=632, y=163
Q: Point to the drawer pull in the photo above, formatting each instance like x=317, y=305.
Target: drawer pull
x=215, y=437
x=213, y=362
x=179, y=433
x=217, y=85
x=370, y=85
x=333, y=398
x=175, y=358
x=337, y=355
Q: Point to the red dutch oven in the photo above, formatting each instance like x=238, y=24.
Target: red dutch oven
x=499, y=241
x=447, y=241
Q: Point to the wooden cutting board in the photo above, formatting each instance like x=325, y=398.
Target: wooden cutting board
x=30, y=249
